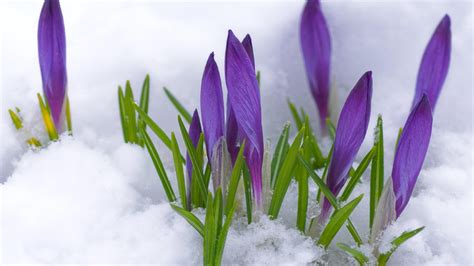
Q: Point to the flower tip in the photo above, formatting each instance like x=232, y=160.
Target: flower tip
x=446, y=21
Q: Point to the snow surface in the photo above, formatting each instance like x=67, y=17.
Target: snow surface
x=93, y=199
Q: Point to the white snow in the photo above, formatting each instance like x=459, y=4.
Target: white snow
x=93, y=199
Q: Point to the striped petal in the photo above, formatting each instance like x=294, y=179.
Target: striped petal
x=52, y=59
x=212, y=105
x=244, y=97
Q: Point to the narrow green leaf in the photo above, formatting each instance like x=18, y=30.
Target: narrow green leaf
x=331, y=128
x=47, y=119
x=190, y=218
x=182, y=111
x=178, y=166
x=248, y=192
x=400, y=130
x=296, y=116
x=218, y=210
x=144, y=100
x=355, y=177
x=284, y=177
x=258, y=78
x=336, y=221
x=356, y=254
x=234, y=180
x=325, y=172
x=319, y=182
x=123, y=114
x=279, y=155
x=209, y=233
x=68, y=116
x=302, y=202
x=16, y=119
x=223, y=236
x=397, y=242
x=330, y=196
x=197, y=166
x=377, y=175
x=154, y=127
x=132, y=121
x=158, y=166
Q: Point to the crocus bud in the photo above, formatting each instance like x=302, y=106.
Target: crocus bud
x=351, y=129
x=212, y=105
x=411, y=153
x=244, y=98
x=316, y=47
x=52, y=59
x=434, y=64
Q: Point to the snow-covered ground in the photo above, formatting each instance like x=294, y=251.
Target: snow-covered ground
x=93, y=199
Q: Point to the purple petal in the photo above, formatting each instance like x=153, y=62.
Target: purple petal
x=244, y=97
x=212, y=105
x=194, y=134
x=434, y=64
x=411, y=152
x=316, y=47
x=52, y=59
x=247, y=43
x=350, y=132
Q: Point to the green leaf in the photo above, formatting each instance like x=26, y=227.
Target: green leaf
x=258, y=78
x=218, y=210
x=319, y=182
x=123, y=114
x=158, y=166
x=182, y=111
x=331, y=128
x=397, y=242
x=356, y=254
x=330, y=196
x=302, y=201
x=234, y=180
x=325, y=172
x=154, y=127
x=190, y=218
x=400, y=130
x=279, y=155
x=144, y=100
x=376, y=175
x=210, y=234
x=284, y=177
x=47, y=119
x=68, y=116
x=16, y=119
x=355, y=177
x=223, y=236
x=248, y=192
x=296, y=116
x=132, y=121
x=336, y=221
x=178, y=166
x=197, y=166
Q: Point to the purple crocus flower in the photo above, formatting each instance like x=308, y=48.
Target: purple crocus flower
x=194, y=133
x=351, y=130
x=316, y=47
x=244, y=99
x=212, y=105
x=434, y=64
x=52, y=59
x=411, y=152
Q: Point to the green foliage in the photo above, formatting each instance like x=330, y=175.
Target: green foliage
x=397, y=242
x=377, y=171
x=356, y=254
x=179, y=107
x=131, y=124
